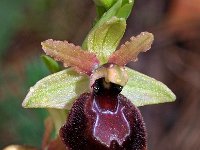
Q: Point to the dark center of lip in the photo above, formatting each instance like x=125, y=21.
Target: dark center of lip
x=110, y=123
x=105, y=94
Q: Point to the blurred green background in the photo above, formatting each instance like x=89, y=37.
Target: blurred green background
x=173, y=59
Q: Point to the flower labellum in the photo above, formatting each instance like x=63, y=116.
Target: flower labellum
x=104, y=118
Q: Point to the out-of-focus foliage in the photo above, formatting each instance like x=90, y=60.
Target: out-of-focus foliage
x=13, y=16
x=18, y=124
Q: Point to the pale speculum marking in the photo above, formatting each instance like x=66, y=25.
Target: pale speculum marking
x=110, y=125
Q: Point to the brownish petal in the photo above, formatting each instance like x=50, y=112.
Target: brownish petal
x=71, y=55
x=129, y=51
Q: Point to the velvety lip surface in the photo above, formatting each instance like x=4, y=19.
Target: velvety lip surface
x=78, y=131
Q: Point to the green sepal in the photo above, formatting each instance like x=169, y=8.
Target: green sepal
x=50, y=63
x=143, y=90
x=58, y=90
x=104, y=40
x=105, y=36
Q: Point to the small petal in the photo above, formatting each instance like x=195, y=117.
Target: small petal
x=129, y=51
x=71, y=55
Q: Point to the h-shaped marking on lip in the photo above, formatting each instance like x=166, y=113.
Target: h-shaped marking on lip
x=110, y=125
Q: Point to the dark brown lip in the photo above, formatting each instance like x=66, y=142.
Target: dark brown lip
x=78, y=131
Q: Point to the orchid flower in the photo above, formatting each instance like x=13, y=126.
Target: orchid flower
x=99, y=92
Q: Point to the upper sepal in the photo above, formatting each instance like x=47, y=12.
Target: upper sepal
x=106, y=34
x=104, y=40
x=143, y=90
